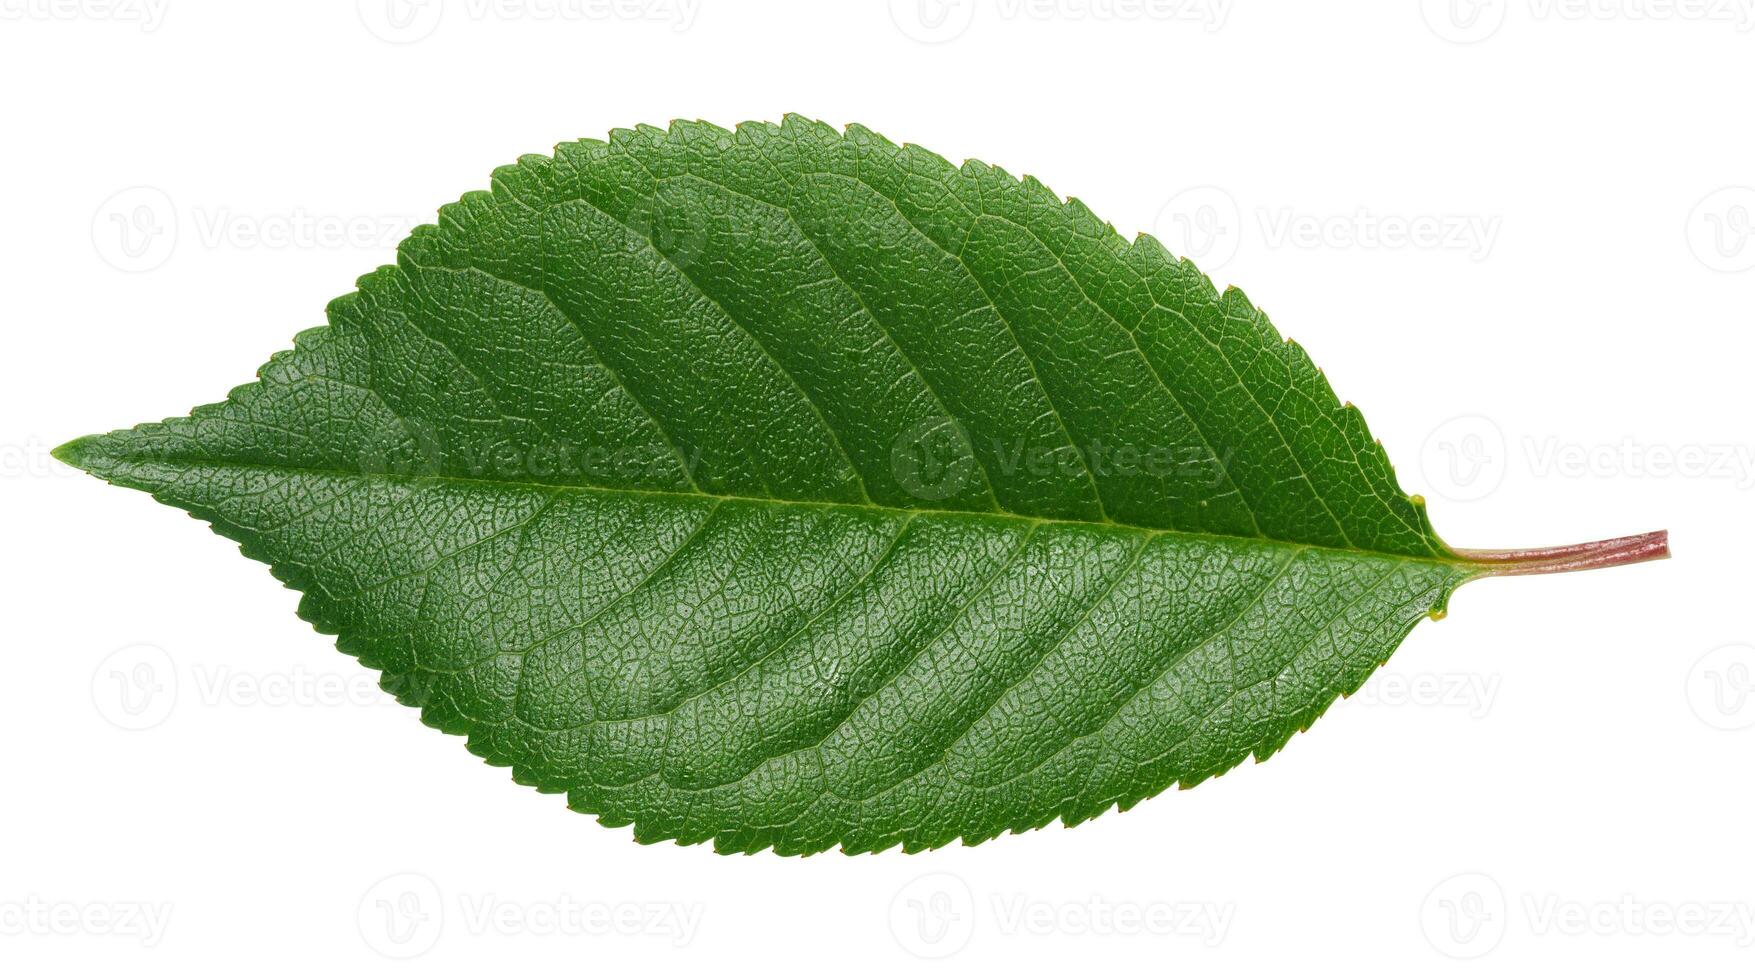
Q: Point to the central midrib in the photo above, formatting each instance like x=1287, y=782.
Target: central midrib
x=1025, y=519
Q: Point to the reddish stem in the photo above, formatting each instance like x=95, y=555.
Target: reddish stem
x=1573, y=557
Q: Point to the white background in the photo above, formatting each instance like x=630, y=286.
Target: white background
x=1555, y=346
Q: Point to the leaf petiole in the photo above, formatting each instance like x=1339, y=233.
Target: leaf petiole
x=1608, y=553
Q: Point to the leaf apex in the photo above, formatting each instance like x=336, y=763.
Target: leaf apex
x=81, y=453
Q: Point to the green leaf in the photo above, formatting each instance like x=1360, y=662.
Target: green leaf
x=791, y=489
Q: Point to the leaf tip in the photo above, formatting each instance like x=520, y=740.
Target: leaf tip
x=82, y=453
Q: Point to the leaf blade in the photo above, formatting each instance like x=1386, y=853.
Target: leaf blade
x=691, y=474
